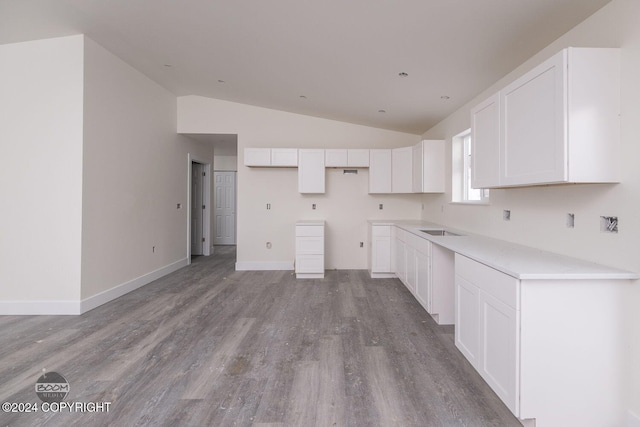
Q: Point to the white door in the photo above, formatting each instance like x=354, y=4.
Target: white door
x=197, y=206
x=224, y=200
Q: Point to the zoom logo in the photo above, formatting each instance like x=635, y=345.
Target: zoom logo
x=52, y=387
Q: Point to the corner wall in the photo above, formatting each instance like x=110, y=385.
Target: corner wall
x=345, y=206
x=538, y=213
x=135, y=174
x=41, y=175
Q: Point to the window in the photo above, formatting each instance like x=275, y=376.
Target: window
x=461, y=179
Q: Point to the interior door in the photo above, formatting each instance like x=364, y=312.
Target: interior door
x=197, y=203
x=224, y=208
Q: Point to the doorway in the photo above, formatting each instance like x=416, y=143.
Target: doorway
x=199, y=223
x=224, y=211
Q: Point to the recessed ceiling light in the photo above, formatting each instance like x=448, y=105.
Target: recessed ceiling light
x=303, y=97
x=221, y=81
x=403, y=74
x=445, y=97
x=167, y=65
x=382, y=111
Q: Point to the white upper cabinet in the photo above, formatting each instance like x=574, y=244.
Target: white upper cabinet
x=287, y=157
x=485, y=143
x=380, y=171
x=557, y=123
x=428, y=167
x=343, y=158
x=271, y=157
x=311, y=172
x=257, y=156
x=401, y=170
x=335, y=158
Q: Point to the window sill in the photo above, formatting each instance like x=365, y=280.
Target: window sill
x=478, y=203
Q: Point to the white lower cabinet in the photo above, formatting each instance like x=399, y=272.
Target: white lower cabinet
x=487, y=326
x=309, y=249
x=427, y=271
x=546, y=347
x=380, y=251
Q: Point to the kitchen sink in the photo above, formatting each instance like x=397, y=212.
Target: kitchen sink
x=440, y=233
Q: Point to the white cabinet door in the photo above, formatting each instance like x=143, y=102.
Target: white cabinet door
x=311, y=172
x=358, y=158
x=257, y=157
x=380, y=171
x=336, y=158
x=401, y=170
x=498, y=360
x=485, y=143
x=284, y=157
x=428, y=160
x=411, y=275
x=400, y=260
x=533, y=135
x=381, y=254
x=467, y=331
x=423, y=280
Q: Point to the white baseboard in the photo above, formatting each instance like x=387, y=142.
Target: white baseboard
x=124, y=288
x=633, y=420
x=33, y=308
x=264, y=265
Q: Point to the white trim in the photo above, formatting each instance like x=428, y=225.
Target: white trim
x=383, y=275
x=206, y=228
x=264, y=265
x=309, y=275
x=34, y=308
x=632, y=420
x=124, y=288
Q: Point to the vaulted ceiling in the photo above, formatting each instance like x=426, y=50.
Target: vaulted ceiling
x=337, y=59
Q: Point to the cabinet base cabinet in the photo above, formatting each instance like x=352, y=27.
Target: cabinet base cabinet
x=309, y=250
x=379, y=256
x=550, y=349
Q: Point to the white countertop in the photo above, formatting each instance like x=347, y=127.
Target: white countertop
x=521, y=262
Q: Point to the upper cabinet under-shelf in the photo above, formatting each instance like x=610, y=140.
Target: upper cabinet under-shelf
x=558, y=123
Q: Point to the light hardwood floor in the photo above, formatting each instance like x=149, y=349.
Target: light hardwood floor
x=209, y=346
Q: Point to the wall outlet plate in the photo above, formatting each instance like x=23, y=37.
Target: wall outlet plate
x=506, y=215
x=571, y=220
x=609, y=224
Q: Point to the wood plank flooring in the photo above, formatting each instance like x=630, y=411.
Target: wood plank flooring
x=209, y=346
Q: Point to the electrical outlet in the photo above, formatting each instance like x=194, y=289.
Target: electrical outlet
x=609, y=224
x=268, y=245
x=179, y=206
x=362, y=244
x=268, y=206
x=506, y=215
x=571, y=220
x=380, y=206
x=153, y=249
x=313, y=206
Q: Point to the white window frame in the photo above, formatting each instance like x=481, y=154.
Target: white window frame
x=461, y=173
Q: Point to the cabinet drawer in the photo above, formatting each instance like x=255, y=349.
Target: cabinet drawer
x=381, y=230
x=309, y=245
x=309, y=264
x=309, y=230
x=499, y=285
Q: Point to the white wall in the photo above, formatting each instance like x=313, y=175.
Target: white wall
x=346, y=204
x=40, y=172
x=538, y=214
x=135, y=174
